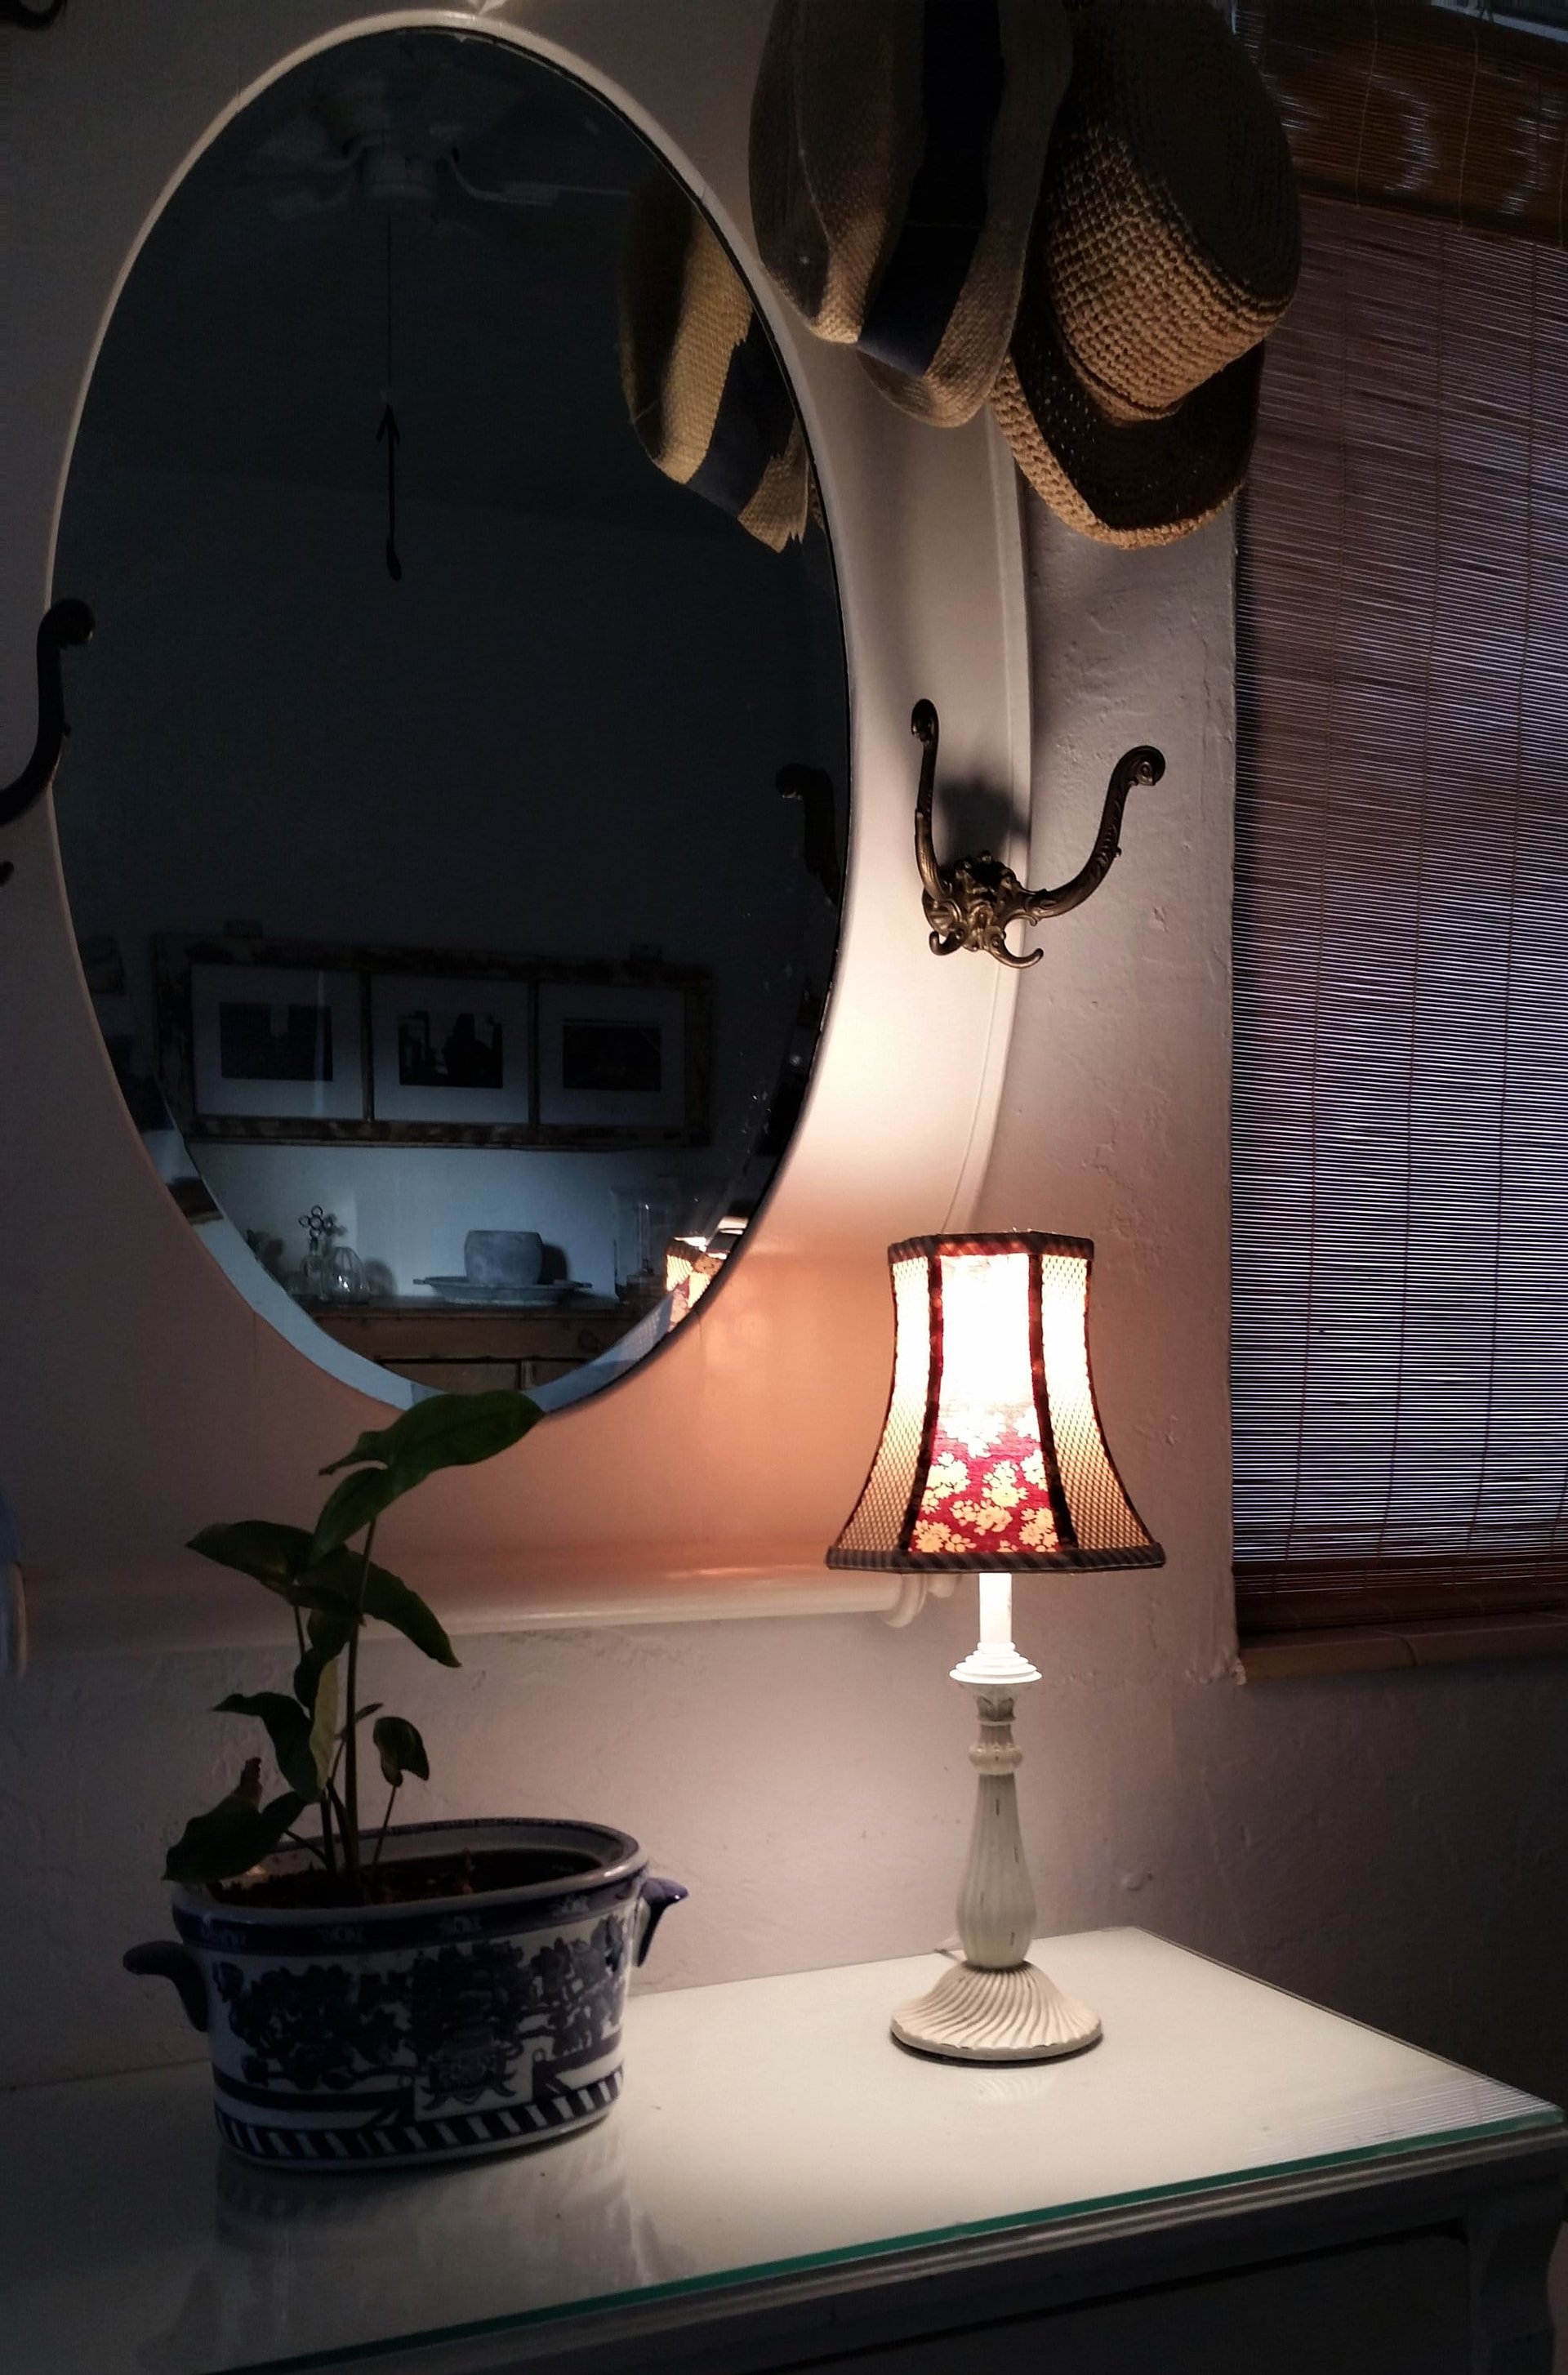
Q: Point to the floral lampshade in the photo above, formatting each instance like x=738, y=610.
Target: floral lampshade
x=992, y=1454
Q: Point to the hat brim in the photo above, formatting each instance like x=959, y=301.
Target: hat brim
x=896, y=156
x=1131, y=483
x=704, y=389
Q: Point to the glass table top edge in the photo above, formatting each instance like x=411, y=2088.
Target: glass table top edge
x=1545, y=2122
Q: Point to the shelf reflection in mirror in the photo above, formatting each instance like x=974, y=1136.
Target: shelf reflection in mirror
x=454, y=817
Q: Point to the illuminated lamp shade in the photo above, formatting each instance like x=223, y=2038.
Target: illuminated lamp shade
x=993, y=1461
x=992, y=1452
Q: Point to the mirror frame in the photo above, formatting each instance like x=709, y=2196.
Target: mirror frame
x=140, y=1395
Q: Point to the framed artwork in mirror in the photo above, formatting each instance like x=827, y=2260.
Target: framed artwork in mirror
x=291, y=1043
x=444, y=1049
x=612, y=1055
x=277, y=1042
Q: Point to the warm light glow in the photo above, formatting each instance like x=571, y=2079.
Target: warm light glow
x=986, y=1387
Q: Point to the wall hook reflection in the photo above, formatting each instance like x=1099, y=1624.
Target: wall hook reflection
x=813, y=787
x=64, y=624
x=970, y=903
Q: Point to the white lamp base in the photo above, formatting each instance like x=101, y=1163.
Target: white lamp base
x=1014, y=2016
x=994, y=2005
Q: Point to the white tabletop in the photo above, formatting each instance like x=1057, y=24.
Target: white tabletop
x=764, y=2123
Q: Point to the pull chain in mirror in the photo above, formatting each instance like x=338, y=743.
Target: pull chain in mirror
x=389, y=432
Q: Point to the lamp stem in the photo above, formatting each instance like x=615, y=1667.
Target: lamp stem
x=995, y=1905
x=996, y=1902
x=996, y=1610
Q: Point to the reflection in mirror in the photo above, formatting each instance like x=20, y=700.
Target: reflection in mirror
x=454, y=817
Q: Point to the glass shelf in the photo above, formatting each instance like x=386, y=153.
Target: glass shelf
x=766, y=2125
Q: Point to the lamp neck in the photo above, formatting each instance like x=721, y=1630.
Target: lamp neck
x=994, y=1666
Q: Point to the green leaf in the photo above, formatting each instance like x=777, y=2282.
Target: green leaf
x=387, y=1599
x=356, y=1502
x=274, y=1555
x=392, y=1602
x=287, y=1727
x=444, y=1431
x=401, y=1750
x=236, y=1834
x=322, y=1736
x=327, y=1631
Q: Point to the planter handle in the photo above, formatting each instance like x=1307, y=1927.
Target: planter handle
x=658, y=1896
x=164, y=1958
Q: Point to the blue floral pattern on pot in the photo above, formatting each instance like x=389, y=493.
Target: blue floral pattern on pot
x=421, y=2031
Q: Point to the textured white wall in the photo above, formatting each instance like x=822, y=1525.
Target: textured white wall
x=1393, y=1845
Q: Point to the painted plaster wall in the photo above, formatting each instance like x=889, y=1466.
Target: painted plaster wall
x=1392, y=1845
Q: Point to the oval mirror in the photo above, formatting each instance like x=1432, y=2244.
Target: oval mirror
x=454, y=814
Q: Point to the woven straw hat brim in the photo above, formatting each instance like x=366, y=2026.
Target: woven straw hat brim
x=1166, y=246
x=897, y=148
x=1131, y=483
x=705, y=392
x=1168, y=241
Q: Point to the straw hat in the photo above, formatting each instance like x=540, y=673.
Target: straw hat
x=704, y=388
x=1166, y=247
x=896, y=153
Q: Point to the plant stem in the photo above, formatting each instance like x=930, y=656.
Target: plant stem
x=381, y=1835
x=324, y=1846
x=351, y=1741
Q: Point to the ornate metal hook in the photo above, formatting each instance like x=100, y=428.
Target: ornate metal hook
x=67, y=624
x=970, y=903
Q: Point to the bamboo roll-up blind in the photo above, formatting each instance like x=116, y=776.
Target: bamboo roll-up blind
x=1400, y=1361
x=1398, y=104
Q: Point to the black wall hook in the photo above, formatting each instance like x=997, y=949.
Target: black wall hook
x=970, y=903
x=67, y=624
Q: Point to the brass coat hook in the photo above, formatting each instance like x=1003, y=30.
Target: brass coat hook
x=970, y=903
x=67, y=624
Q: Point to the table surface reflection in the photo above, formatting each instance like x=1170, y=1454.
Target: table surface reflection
x=765, y=2124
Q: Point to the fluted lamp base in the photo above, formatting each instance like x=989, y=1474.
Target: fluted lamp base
x=977, y=2016
x=994, y=2005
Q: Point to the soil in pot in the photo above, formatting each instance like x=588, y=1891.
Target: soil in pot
x=408, y=1881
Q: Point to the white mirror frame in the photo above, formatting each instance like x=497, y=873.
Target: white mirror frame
x=140, y=1395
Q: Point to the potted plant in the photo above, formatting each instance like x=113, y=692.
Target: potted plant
x=380, y=1993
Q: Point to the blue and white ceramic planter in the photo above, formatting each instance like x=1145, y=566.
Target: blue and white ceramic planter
x=380, y=2036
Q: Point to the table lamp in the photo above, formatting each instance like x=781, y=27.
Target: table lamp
x=992, y=1461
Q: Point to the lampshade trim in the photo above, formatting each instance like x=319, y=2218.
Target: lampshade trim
x=1033, y=1242
x=973, y=1562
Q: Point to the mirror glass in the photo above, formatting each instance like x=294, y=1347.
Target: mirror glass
x=454, y=812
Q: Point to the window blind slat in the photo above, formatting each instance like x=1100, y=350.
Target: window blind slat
x=1398, y=104
x=1400, y=1231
